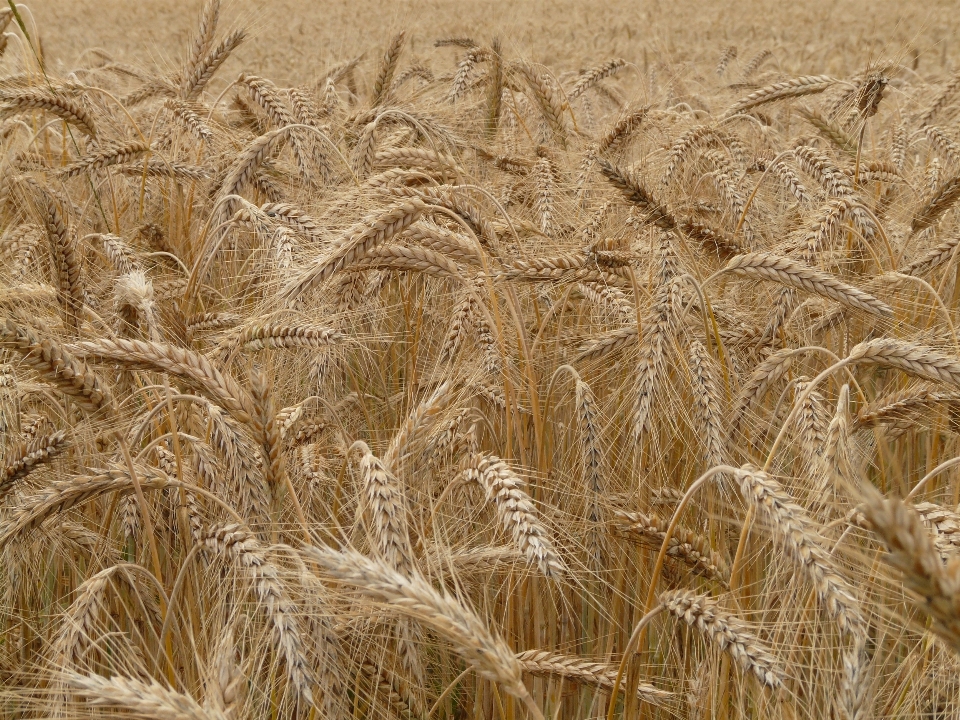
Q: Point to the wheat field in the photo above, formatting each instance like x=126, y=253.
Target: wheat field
x=411, y=361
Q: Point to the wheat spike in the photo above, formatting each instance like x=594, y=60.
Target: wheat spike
x=244, y=549
x=685, y=545
x=793, y=274
x=729, y=632
x=186, y=364
x=918, y=360
x=415, y=598
x=913, y=554
x=388, y=66
x=797, y=532
x=365, y=236
x=28, y=456
x=543, y=663
x=66, y=109
x=58, y=366
x=517, y=512
x=63, y=495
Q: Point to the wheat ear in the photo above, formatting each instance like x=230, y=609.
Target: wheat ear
x=370, y=233
x=227, y=685
x=417, y=426
x=685, y=545
x=245, y=550
x=591, y=77
x=933, y=258
x=919, y=360
x=707, y=399
x=386, y=506
x=797, y=87
x=542, y=663
x=78, y=626
x=632, y=189
x=67, y=261
x=138, y=698
x=729, y=54
x=203, y=41
x=64, y=108
x=270, y=335
x=186, y=364
x=550, y=104
x=936, y=586
x=944, y=197
x=517, y=512
x=196, y=79
x=60, y=496
x=108, y=154
x=791, y=273
x=797, y=532
x=388, y=66
x=59, y=367
x=729, y=632
x=593, y=465
x=413, y=596
x=28, y=456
